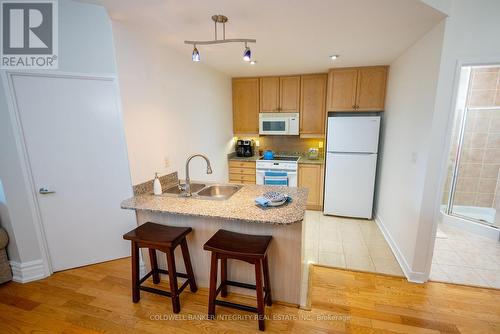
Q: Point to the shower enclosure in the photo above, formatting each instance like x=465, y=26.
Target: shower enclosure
x=472, y=190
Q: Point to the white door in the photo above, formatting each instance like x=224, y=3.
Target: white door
x=74, y=137
x=353, y=134
x=349, y=184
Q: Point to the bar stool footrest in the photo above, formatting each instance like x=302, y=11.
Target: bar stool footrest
x=236, y=306
x=241, y=285
x=156, y=291
x=164, y=271
x=162, y=292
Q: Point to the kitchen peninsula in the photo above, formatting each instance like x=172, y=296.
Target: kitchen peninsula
x=238, y=213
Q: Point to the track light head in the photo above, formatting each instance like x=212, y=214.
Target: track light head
x=196, y=55
x=247, y=54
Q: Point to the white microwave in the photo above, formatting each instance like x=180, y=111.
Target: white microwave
x=278, y=123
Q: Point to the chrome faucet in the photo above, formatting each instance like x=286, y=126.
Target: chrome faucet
x=187, y=187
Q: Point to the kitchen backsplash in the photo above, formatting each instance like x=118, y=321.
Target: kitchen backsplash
x=289, y=144
x=147, y=187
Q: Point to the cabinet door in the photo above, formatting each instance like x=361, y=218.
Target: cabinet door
x=312, y=104
x=370, y=93
x=311, y=176
x=246, y=105
x=342, y=89
x=269, y=94
x=289, y=94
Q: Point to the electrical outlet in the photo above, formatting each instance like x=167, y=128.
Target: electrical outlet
x=166, y=162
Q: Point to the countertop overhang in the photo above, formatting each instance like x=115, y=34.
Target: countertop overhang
x=241, y=206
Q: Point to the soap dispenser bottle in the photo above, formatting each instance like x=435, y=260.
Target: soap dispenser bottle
x=157, y=185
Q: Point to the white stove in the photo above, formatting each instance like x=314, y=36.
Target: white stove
x=281, y=171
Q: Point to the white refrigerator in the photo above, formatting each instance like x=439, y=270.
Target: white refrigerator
x=351, y=162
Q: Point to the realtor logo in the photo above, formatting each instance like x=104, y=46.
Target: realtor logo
x=29, y=34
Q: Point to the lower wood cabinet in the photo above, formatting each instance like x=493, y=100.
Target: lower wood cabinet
x=242, y=172
x=311, y=176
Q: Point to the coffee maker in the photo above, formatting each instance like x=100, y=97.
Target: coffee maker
x=244, y=148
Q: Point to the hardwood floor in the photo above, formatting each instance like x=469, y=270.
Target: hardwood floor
x=97, y=298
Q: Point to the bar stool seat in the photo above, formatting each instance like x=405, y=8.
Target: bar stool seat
x=226, y=245
x=238, y=244
x=165, y=239
x=158, y=235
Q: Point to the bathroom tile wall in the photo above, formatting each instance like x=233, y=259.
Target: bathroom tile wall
x=480, y=160
x=485, y=88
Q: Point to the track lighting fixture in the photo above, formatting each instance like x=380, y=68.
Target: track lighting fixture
x=247, y=53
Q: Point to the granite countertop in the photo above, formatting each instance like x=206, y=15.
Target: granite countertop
x=241, y=206
x=235, y=158
x=303, y=159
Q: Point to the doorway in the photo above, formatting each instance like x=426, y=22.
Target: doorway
x=467, y=250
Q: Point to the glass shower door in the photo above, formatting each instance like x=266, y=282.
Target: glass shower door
x=472, y=183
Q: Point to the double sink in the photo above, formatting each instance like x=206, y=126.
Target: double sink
x=204, y=191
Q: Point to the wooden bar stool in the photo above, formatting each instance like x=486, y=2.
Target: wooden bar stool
x=226, y=245
x=165, y=239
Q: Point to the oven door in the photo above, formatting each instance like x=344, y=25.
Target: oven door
x=271, y=177
x=273, y=125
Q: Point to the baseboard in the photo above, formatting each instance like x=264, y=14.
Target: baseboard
x=24, y=272
x=412, y=276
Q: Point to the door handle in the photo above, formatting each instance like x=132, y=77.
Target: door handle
x=45, y=191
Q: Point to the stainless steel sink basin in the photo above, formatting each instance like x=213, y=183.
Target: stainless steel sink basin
x=218, y=191
x=174, y=190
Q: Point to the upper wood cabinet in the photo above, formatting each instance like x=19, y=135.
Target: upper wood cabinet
x=370, y=91
x=289, y=94
x=246, y=105
x=280, y=94
x=269, y=94
x=357, y=89
x=342, y=89
x=312, y=104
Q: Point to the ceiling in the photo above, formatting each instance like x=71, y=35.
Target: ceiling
x=293, y=36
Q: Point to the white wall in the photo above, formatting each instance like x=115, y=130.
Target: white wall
x=408, y=116
x=409, y=192
x=172, y=107
x=471, y=37
x=85, y=46
x=443, y=6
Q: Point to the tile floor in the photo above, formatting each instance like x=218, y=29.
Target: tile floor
x=348, y=243
x=464, y=258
